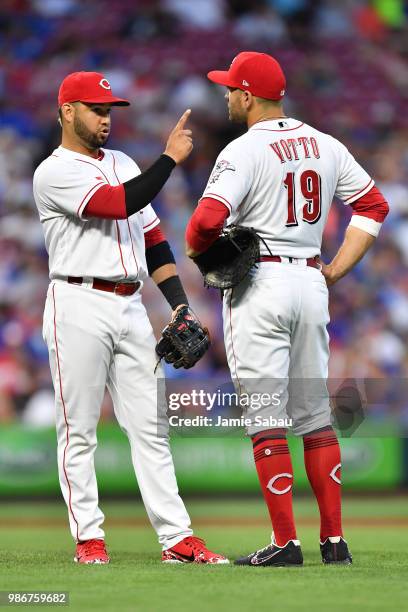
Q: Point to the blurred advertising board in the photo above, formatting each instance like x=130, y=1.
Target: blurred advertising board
x=28, y=463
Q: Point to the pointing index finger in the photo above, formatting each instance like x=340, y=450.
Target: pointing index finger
x=181, y=122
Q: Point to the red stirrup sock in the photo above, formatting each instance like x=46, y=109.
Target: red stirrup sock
x=323, y=468
x=275, y=473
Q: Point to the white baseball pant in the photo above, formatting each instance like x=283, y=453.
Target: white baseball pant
x=97, y=339
x=277, y=343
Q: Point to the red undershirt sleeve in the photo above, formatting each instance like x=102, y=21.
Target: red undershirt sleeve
x=206, y=224
x=372, y=205
x=153, y=237
x=369, y=211
x=107, y=203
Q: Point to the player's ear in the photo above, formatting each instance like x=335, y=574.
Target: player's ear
x=248, y=99
x=67, y=112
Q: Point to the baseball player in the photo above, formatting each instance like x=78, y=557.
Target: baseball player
x=103, y=238
x=280, y=178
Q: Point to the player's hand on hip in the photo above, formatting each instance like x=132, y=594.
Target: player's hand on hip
x=328, y=273
x=180, y=143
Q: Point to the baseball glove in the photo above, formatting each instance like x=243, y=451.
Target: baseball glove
x=229, y=258
x=184, y=341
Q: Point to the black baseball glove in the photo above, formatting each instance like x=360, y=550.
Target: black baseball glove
x=184, y=341
x=230, y=257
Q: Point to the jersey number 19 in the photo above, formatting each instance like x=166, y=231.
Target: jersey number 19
x=310, y=186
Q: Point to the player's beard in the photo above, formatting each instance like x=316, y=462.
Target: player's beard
x=236, y=113
x=91, y=140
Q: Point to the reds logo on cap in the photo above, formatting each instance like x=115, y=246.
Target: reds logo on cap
x=105, y=83
x=88, y=87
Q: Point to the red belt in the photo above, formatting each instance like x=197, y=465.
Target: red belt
x=311, y=261
x=120, y=288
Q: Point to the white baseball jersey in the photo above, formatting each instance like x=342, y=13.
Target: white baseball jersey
x=89, y=247
x=98, y=339
x=280, y=178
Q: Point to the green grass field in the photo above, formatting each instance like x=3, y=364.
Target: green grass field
x=36, y=552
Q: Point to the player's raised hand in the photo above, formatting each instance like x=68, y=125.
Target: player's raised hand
x=180, y=143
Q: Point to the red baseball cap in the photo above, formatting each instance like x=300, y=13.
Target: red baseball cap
x=90, y=87
x=258, y=73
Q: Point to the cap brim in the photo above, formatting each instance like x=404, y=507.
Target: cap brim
x=221, y=77
x=106, y=100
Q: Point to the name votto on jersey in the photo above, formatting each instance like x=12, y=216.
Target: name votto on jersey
x=289, y=149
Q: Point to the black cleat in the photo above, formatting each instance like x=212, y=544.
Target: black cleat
x=336, y=552
x=273, y=555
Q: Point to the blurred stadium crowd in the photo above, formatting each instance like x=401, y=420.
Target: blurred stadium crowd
x=347, y=71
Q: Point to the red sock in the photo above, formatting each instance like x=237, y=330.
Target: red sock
x=275, y=473
x=323, y=468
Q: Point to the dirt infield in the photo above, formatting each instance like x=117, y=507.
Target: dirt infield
x=369, y=522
